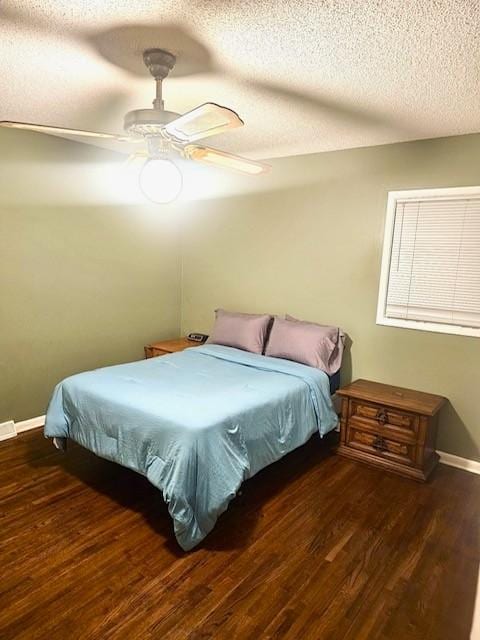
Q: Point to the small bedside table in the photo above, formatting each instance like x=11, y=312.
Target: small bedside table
x=390, y=427
x=164, y=347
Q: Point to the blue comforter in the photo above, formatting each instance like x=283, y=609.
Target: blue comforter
x=195, y=423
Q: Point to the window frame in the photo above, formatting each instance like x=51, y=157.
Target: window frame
x=415, y=194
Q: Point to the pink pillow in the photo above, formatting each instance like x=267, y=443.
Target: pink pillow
x=245, y=331
x=313, y=344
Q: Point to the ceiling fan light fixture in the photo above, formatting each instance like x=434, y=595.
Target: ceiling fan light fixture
x=160, y=180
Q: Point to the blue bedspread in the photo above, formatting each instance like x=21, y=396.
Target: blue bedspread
x=195, y=423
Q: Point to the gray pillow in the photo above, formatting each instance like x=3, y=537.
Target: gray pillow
x=245, y=331
x=316, y=345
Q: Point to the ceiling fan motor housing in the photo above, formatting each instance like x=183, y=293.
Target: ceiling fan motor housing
x=148, y=122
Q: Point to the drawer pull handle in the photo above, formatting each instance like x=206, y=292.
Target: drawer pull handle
x=382, y=416
x=379, y=444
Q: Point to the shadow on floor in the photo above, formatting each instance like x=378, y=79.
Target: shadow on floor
x=134, y=492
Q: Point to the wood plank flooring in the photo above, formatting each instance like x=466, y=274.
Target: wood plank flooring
x=316, y=547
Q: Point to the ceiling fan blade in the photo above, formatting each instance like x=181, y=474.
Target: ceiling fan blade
x=206, y=120
x=225, y=160
x=63, y=131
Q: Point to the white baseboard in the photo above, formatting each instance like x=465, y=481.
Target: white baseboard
x=460, y=463
x=7, y=430
x=32, y=423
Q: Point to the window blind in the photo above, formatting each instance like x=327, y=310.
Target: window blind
x=434, y=273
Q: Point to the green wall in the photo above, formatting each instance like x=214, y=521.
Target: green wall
x=85, y=284
x=81, y=286
x=314, y=250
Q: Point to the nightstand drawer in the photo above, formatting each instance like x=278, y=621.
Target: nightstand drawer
x=392, y=423
x=384, y=447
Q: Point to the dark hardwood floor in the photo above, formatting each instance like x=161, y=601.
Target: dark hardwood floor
x=316, y=547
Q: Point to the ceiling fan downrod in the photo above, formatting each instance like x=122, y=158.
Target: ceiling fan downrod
x=159, y=62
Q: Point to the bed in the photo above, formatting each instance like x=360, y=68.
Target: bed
x=195, y=423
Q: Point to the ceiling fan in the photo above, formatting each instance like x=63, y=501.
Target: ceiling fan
x=164, y=134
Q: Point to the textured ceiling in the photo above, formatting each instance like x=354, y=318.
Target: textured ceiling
x=305, y=76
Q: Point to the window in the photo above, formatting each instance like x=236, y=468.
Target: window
x=430, y=277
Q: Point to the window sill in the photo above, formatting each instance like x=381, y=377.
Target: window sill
x=429, y=326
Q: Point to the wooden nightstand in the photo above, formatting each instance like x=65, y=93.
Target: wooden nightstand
x=390, y=427
x=164, y=347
